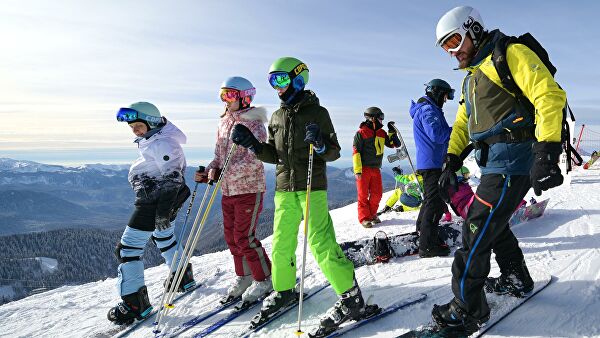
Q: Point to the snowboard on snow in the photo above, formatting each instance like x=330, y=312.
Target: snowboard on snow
x=362, y=252
x=592, y=160
x=526, y=213
x=501, y=306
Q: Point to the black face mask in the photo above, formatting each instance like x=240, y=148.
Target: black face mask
x=291, y=96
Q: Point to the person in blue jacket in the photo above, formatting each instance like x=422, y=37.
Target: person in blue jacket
x=431, y=133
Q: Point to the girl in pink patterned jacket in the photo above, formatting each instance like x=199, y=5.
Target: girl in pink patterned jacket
x=243, y=187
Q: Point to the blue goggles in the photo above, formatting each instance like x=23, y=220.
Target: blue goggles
x=130, y=115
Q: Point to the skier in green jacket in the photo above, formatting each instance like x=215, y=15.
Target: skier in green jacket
x=299, y=122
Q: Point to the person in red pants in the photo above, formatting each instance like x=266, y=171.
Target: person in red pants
x=243, y=187
x=367, y=155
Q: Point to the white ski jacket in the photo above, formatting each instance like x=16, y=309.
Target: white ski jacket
x=157, y=175
x=246, y=173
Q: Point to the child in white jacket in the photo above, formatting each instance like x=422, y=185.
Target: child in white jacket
x=157, y=180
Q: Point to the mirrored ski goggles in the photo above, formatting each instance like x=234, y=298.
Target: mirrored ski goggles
x=232, y=95
x=279, y=79
x=130, y=115
x=453, y=43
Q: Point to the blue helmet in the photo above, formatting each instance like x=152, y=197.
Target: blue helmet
x=245, y=88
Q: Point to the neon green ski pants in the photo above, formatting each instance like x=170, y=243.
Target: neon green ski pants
x=289, y=211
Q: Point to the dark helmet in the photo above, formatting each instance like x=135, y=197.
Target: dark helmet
x=374, y=112
x=436, y=89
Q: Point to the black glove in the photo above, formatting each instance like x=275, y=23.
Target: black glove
x=161, y=223
x=313, y=135
x=242, y=136
x=393, y=135
x=545, y=173
x=201, y=176
x=214, y=174
x=397, y=170
x=448, y=179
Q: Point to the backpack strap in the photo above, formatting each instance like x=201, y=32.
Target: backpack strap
x=501, y=65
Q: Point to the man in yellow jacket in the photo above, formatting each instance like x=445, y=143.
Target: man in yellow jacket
x=515, y=149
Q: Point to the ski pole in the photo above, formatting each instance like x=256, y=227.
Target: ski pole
x=180, y=238
x=412, y=167
x=306, y=215
x=165, y=301
x=198, y=232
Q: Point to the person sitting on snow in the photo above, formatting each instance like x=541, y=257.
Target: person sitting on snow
x=408, y=193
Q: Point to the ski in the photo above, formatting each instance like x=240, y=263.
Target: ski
x=235, y=313
x=238, y=310
x=198, y=319
x=124, y=330
x=501, y=306
x=378, y=315
x=249, y=330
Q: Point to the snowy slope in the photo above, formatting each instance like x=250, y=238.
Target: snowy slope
x=565, y=242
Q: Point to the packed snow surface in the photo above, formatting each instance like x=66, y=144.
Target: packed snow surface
x=564, y=242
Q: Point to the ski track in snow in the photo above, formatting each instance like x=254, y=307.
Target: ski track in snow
x=564, y=242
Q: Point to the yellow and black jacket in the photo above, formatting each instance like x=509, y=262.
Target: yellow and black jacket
x=487, y=109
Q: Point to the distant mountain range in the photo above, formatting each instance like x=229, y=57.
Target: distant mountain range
x=41, y=197
x=75, y=215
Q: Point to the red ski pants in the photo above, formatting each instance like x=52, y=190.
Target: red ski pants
x=369, y=189
x=240, y=216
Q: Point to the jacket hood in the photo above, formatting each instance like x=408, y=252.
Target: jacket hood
x=169, y=130
x=251, y=114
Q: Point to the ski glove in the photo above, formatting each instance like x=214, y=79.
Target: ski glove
x=393, y=135
x=545, y=173
x=161, y=223
x=242, y=136
x=201, y=176
x=313, y=135
x=214, y=174
x=448, y=179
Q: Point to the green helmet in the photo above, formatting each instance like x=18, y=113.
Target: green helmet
x=296, y=69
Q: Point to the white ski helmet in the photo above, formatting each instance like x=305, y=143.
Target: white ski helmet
x=243, y=86
x=460, y=20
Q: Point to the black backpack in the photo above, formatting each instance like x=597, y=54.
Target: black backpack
x=499, y=59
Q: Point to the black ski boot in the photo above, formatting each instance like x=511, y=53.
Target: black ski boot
x=440, y=250
x=134, y=306
x=350, y=306
x=515, y=280
x=453, y=320
x=398, y=208
x=187, y=281
x=273, y=304
x=384, y=210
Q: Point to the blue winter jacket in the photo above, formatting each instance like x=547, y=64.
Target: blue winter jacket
x=431, y=132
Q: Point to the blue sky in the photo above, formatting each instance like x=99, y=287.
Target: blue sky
x=67, y=66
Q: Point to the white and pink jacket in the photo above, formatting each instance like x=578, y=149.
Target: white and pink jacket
x=245, y=174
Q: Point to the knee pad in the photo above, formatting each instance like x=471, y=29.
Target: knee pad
x=164, y=243
x=125, y=259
